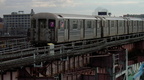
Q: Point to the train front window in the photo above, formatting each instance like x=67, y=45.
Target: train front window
x=42, y=23
x=51, y=23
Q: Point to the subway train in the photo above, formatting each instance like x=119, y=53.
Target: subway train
x=61, y=28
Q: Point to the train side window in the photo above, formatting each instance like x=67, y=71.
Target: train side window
x=134, y=23
x=61, y=24
x=120, y=23
x=33, y=23
x=131, y=23
x=106, y=23
x=139, y=23
x=89, y=24
x=74, y=24
x=112, y=24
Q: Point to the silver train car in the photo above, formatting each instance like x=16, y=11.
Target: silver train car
x=61, y=28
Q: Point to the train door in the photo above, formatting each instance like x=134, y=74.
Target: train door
x=98, y=29
x=61, y=30
x=46, y=34
x=66, y=30
x=135, y=26
x=106, y=28
x=140, y=26
x=40, y=29
x=89, y=29
x=125, y=26
x=74, y=30
x=113, y=27
x=130, y=25
x=82, y=29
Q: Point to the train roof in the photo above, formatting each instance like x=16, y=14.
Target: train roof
x=133, y=18
x=113, y=18
x=75, y=16
x=64, y=16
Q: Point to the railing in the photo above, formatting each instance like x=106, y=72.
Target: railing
x=14, y=44
x=31, y=55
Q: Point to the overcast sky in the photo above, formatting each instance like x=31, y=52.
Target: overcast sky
x=116, y=7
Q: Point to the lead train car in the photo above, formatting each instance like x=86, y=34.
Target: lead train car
x=57, y=28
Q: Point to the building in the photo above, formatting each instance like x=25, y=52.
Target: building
x=134, y=15
x=1, y=20
x=1, y=27
x=17, y=23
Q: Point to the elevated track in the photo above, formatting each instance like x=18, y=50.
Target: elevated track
x=30, y=55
